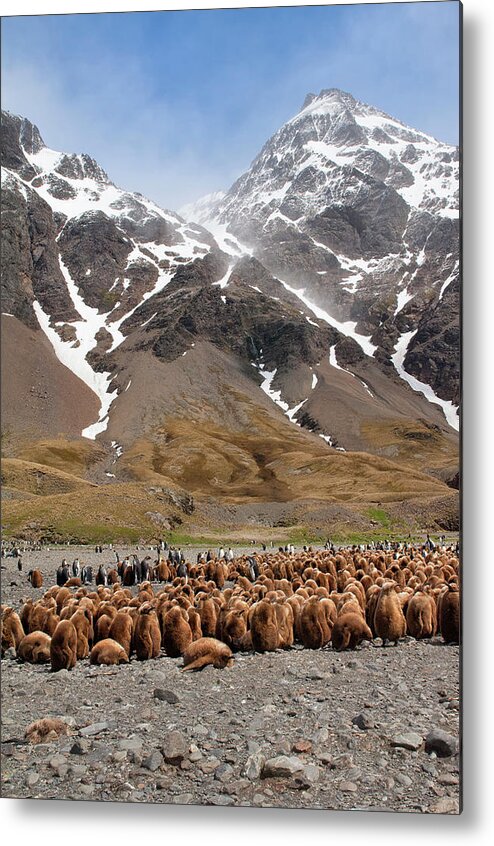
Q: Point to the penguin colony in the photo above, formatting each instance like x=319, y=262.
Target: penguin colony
x=317, y=599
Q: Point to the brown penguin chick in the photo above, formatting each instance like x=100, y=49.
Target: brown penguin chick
x=258, y=592
x=194, y=621
x=349, y=630
x=62, y=596
x=51, y=622
x=145, y=592
x=25, y=615
x=108, y=652
x=328, y=617
x=266, y=581
x=421, y=615
x=12, y=630
x=34, y=648
x=329, y=610
x=244, y=583
x=302, y=593
x=69, y=608
x=284, y=620
x=296, y=603
x=177, y=635
x=389, y=621
x=63, y=646
x=120, y=598
x=358, y=591
x=105, y=608
x=283, y=585
x=449, y=614
x=366, y=581
x=46, y=730
x=36, y=578
x=244, y=643
x=264, y=627
x=102, y=627
x=37, y=618
x=348, y=603
x=208, y=613
x=85, y=602
x=74, y=581
x=83, y=622
x=219, y=575
x=314, y=631
x=147, y=635
x=207, y=650
x=370, y=608
x=222, y=613
x=234, y=627
x=121, y=630
x=51, y=593
x=163, y=572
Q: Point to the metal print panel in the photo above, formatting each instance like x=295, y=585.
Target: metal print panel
x=230, y=407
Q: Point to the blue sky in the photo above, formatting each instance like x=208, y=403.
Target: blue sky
x=177, y=104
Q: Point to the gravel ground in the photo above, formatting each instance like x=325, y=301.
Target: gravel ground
x=299, y=728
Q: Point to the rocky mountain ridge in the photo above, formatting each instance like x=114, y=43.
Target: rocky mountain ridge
x=160, y=320
x=360, y=214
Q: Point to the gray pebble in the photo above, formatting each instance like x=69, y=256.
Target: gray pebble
x=347, y=787
x=363, y=721
x=407, y=740
x=57, y=761
x=95, y=728
x=403, y=779
x=442, y=743
x=223, y=773
x=281, y=766
x=78, y=770
x=87, y=789
x=311, y=773
x=175, y=747
x=80, y=747
x=166, y=696
x=254, y=765
x=153, y=761
x=183, y=799
x=221, y=799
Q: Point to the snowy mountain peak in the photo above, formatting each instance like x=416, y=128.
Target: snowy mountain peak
x=81, y=167
x=333, y=102
x=30, y=137
x=357, y=212
x=329, y=96
x=335, y=152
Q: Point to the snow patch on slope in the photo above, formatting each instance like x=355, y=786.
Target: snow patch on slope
x=268, y=376
x=74, y=357
x=402, y=299
x=333, y=362
x=346, y=328
x=450, y=411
